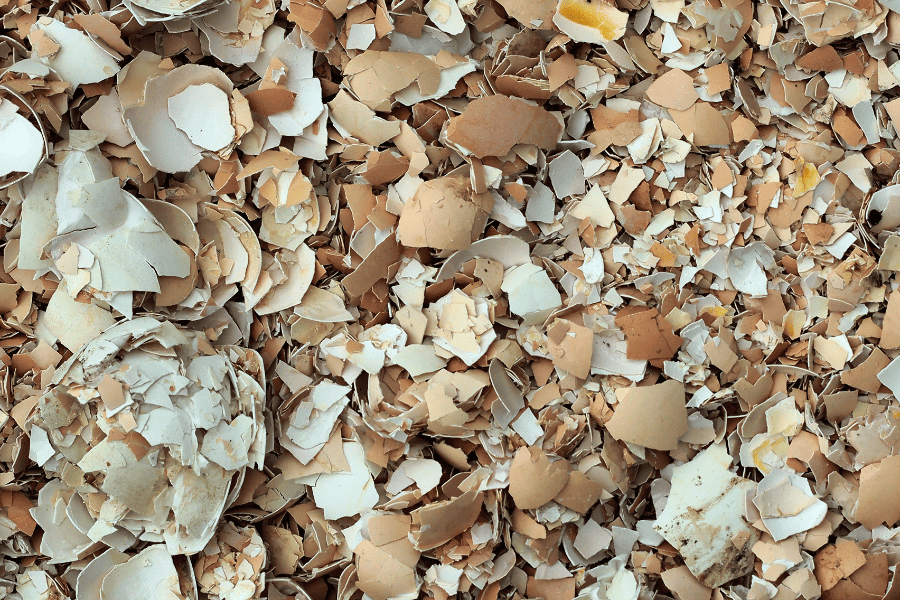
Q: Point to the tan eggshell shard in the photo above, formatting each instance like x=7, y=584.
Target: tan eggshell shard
x=374, y=267
x=654, y=416
x=534, y=14
x=323, y=307
x=359, y=121
x=492, y=125
x=386, y=566
x=879, y=486
x=579, y=493
x=590, y=22
x=534, y=480
x=374, y=76
x=675, y=90
x=301, y=266
x=682, y=582
x=445, y=214
x=571, y=347
x=440, y=522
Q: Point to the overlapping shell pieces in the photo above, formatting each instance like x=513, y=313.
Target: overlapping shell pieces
x=470, y=299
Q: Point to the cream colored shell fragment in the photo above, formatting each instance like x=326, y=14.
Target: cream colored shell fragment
x=22, y=145
x=446, y=15
x=298, y=78
x=284, y=281
x=36, y=584
x=591, y=22
x=79, y=59
x=151, y=441
x=787, y=505
x=202, y=112
x=179, y=114
x=707, y=497
x=149, y=574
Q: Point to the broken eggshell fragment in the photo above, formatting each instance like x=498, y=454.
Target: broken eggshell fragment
x=173, y=428
x=180, y=113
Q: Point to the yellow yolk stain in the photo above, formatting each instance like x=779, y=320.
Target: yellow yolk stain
x=764, y=448
x=715, y=311
x=790, y=329
x=590, y=15
x=807, y=179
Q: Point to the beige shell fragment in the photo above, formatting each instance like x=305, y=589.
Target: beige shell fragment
x=532, y=295
x=290, y=275
x=534, y=479
x=507, y=250
x=203, y=113
x=309, y=426
x=492, y=125
x=105, y=116
x=90, y=579
x=345, y=494
x=787, y=505
x=446, y=15
x=376, y=76
x=290, y=208
x=653, y=416
x=445, y=214
x=105, y=237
